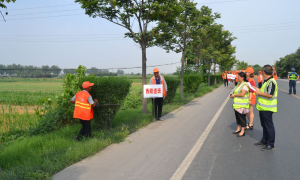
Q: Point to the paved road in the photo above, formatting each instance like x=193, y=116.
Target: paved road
x=165, y=147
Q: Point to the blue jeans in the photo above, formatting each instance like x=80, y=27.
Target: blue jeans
x=292, y=84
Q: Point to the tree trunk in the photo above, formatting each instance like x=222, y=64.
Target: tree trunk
x=182, y=72
x=144, y=77
x=214, y=68
x=208, y=78
x=198, y=65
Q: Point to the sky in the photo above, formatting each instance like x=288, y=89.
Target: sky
x=57, y=32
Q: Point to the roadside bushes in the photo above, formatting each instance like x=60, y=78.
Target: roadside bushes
x=110, y=92
x=192, y=82
x=173, y=84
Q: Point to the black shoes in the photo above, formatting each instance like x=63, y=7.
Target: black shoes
x=240, y=135
x=268, y=148
x=260, y=143
x=234, y=132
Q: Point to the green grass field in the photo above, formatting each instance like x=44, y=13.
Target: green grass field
x=40, y=156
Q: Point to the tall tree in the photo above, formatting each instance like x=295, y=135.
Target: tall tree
x=175, y=35
x=241, y=65
x=125, y=13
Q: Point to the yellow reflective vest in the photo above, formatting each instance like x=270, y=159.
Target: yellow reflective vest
x=240, y=102
x=267, y=104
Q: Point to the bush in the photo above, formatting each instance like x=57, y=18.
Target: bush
x=283, y=75
x=172, y=84
x=192, y=82
x=110, y=92
x=212, y=78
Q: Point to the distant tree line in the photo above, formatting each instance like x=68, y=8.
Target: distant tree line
x=45, y=71
x=284, y=65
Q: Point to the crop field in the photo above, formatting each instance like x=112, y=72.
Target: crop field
x=21, y=99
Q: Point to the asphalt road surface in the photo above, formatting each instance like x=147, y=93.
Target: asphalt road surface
x=196, y=142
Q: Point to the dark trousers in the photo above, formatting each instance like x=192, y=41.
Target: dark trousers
x=259, y=85
x=235, y=83
x=158, y=107
x=292, y=84
x=266, y=121
x=240, y=118
x=85, y=130
x=225, y=82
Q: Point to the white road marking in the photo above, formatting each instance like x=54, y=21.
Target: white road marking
x=192, y=154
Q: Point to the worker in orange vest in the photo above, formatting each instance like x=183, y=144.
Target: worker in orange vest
x=260, y=79
x=274, y=74
x=225, y=79
x=158, y=103
x=251, y=97
x=84, y=105
x=236, y=78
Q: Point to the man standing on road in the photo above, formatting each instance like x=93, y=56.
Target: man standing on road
x=260, y=79
x=293, y=78
x=84, y=105
x=158, y=103
x=267, y=105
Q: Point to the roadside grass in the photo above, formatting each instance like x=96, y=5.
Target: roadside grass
x=44, y=86
x=41, y=156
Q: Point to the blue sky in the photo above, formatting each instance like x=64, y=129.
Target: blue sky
x=266, y=30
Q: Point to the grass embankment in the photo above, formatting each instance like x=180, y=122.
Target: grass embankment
x=41, y=156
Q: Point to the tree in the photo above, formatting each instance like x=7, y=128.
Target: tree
x=200, y=34
x=125, y=13
x=120, y=72
x=2, y=5
x=175, y=35
x=256, y=68
x=241, y=65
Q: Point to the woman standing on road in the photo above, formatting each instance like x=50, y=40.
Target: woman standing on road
x=252, y=97
x=240, y=103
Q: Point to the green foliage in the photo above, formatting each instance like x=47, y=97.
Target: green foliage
x=192, y=82
x=2, y=5
x=218, y=78
x=284, y=65
x=53, y=118
x=173, y=84
x=241, y=65
x=108, y=90
x=256, y=68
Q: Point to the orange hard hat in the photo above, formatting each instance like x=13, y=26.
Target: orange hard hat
x=87, y=84
x=259, y=71
x=155, y=70
x=250, y=70
x=225, y=71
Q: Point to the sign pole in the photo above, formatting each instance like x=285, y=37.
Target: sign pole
x=153, y=109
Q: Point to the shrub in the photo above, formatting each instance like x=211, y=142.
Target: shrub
x=172, y=84
x=192, y=82
x=212, y=78
x=110, y=92
x=283, y=75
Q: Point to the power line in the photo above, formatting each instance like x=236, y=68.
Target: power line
x=92, y=69
x=265, y=24
x=223, y=2
x=45, y=12
x=43, y=7
x=46, y=17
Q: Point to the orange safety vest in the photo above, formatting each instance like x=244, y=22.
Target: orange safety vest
x=162, y=81
x=275, y=76
x=260, y=78
x=223, y=75
x=83, y=109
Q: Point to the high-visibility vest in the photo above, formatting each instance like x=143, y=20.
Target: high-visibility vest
x=267, y=104
x=260, y=78
x=162, y=81
x=83, y=109
x=223, y=76
x=293, y=76
x=240, y=102
x=275, y=76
